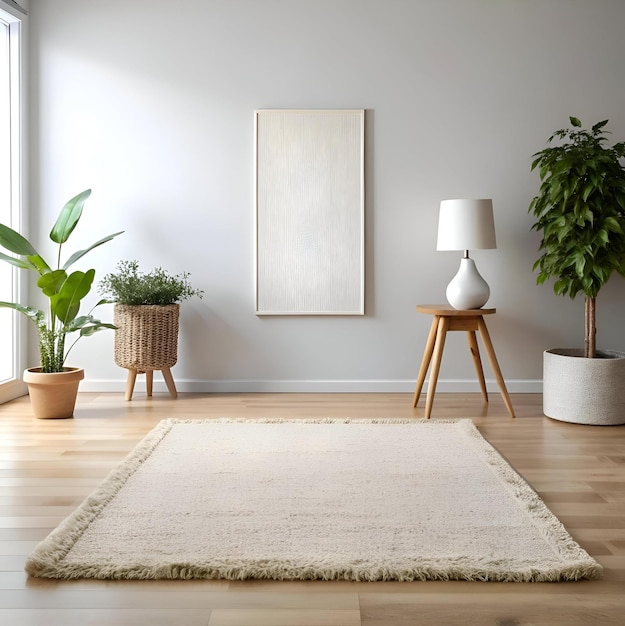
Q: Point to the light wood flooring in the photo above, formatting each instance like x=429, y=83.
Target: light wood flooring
x=48, y=467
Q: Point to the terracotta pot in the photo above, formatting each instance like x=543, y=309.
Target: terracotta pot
x=53, y=396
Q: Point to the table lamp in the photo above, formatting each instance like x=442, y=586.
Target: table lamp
x=466, y=225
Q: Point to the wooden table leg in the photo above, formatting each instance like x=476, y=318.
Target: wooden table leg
x=477, y=361
x=169, y=380
x=149, y=379
x=441, y=333
x=492, y=359
x=425, y=362
x=130, y=383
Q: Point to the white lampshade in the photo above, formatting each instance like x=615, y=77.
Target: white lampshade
x=466, y=225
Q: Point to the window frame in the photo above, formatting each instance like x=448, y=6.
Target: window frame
x=16, y=18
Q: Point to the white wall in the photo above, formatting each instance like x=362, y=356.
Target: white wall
x=150, y=103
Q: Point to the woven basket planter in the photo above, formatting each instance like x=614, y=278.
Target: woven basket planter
x=146, y=337
x=584, y=391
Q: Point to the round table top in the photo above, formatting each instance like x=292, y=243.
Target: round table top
x=447, y=310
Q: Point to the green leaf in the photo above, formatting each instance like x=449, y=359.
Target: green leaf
x=603, y=237
x=613, y=225
x=66, y=304
x=535, y=163
x=12, y=241
x=36, y=315
x=39, y=264
x=87, y=331
x=21, y=263
x=51, y=283
x=560, y=287
x=575, y=121
x=588, y=189
x=599, y=125
x=68, y=218
x=87, y=325
x=77, y=255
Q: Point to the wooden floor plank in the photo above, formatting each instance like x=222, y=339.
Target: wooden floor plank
x=277, y=617
x=104, y=617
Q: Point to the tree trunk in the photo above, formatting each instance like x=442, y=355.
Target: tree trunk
x=590, y=324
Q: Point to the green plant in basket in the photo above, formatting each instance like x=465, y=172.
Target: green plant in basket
x=128, y=285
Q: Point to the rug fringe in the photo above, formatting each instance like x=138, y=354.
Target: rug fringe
x=322, y=420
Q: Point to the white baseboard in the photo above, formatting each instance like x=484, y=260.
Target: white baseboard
x=11, y=390
x=309, y=386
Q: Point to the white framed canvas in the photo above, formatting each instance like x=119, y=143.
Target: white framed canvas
x=310, y=211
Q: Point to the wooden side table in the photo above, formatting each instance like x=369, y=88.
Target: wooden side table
x=470, y=320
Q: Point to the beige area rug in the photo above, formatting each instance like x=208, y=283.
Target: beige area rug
x=330, y=499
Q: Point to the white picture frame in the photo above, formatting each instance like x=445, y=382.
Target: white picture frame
x=310, y=208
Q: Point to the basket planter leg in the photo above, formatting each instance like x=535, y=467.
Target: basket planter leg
x=149, y=378
x=169, y=380
x=130, y=383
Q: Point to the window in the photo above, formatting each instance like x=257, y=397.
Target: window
x=11, y=177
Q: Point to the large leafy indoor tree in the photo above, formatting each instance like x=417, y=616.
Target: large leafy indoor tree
x=580, y=210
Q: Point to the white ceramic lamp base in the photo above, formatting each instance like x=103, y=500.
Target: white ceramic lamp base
x=467, y=290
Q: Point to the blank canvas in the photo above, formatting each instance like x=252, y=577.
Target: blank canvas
x=310, y=212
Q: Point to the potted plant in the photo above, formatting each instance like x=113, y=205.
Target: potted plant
x=146, y=317
x=580, y=211
x=53, y=386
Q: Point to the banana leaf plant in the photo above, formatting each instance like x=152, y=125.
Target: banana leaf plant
x=580, y=211
x=64, y=290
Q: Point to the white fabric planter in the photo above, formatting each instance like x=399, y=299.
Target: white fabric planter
x=584, y=391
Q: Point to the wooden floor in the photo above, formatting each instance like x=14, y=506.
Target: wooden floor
x=48, y=467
